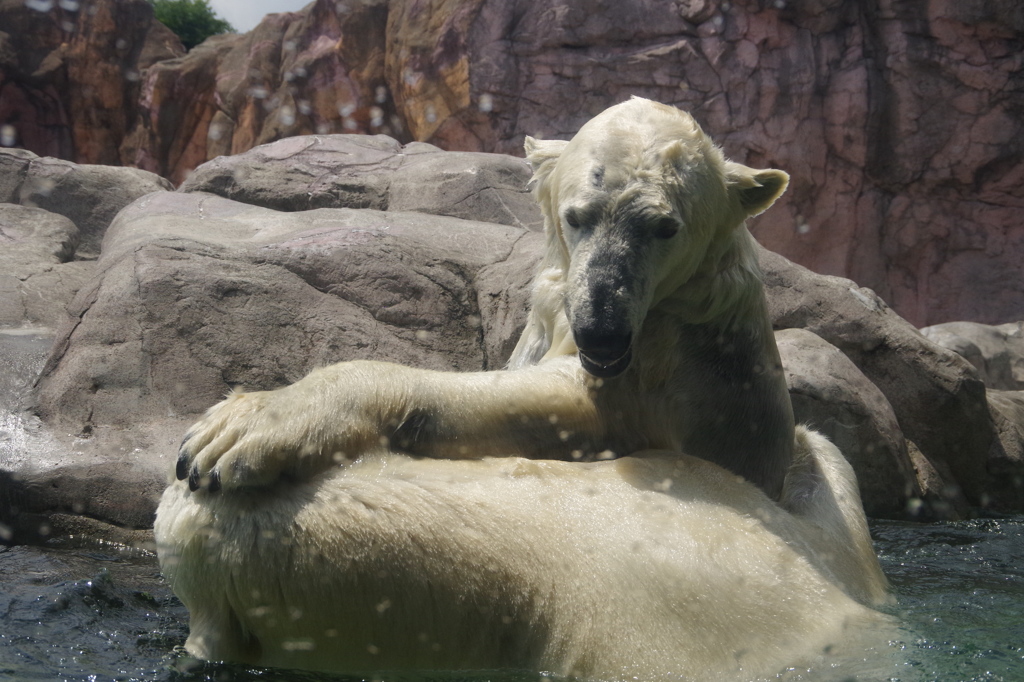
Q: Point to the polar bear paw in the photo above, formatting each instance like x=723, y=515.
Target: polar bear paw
x=248, y=440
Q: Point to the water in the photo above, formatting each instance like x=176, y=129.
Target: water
x=96, y=613
x=960, y=588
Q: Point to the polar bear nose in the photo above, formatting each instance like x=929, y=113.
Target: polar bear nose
x=605, y=353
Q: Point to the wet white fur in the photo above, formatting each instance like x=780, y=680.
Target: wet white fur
x=657, y=565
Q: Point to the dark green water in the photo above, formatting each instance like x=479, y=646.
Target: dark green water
x=960, y=588
x=98, y=614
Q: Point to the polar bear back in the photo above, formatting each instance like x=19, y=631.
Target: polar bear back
x=650, y=566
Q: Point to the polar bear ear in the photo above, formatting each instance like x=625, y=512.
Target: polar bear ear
x=543, y=155
x=756, y=189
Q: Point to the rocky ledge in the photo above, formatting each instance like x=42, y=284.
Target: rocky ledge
x=119, y=331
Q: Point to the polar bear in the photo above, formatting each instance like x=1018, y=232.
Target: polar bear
x=648, y=330
x=379, y=517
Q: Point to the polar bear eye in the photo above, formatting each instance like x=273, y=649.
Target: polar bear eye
x=666, y=228
x=572, y=219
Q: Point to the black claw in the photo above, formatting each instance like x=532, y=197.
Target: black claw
x=214, y=481
x=193, y=479
x=181, y=469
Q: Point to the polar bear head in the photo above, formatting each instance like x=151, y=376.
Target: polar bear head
x=639, y=205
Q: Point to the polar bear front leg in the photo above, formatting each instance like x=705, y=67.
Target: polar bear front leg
x=254, y=438
x=338, y=412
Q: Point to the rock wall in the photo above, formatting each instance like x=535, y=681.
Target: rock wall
x=899, y=121
x=70, y=74
x=265, y=265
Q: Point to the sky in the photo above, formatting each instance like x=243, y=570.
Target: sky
x=245, y=14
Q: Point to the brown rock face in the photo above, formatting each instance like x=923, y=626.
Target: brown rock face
x=899, y=121
x=316, y=71
x=70, y=73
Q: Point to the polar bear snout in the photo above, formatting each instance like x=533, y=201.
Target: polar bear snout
x=603, y=304
x=606, y=364
x=606, y=347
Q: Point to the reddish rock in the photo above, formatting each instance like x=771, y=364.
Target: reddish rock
x=70, y=73
x=898, y=121
x=316, y=71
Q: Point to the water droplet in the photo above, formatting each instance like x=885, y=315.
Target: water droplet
x=346, y=110
x=42, y=186
x=39, y=5
x=258, y=91
x=8, y=135
x=430, y=114
x=486, y=103
x=287, y=115
x=376, y=117
x=215, y=132
x=70, y=5
x=298, y=645
x=381, y=94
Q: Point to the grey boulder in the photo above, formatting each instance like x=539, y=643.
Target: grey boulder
x=832, y=396
x=196, y=294
x=375, y=172
x=90, y=196
x=996, y=351
x=37, y=274
x=937, y=397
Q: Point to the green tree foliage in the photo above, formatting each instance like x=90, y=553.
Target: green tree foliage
x=193, y=21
